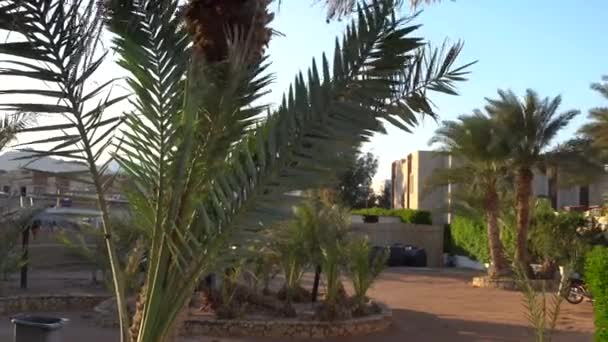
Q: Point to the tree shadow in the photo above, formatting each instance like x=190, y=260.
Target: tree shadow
x=409, y=325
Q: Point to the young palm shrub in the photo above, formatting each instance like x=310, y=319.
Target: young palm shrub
x=88, y=243
x=293, y=258
x=480, y=165
x=530, y=125
x=333, y=258
x=363, y=268
x=336, y=222
x=12, y=225
x=541, y=315
x=207, y=171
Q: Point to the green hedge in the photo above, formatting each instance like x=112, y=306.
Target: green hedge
x=596, y=276
x=406, y=215
x=468, y=237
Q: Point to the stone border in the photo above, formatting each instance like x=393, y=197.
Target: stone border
x=511, y=284
x=49, y=302
x=290, y=328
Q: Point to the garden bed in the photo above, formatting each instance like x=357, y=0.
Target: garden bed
x=511, y=284
x=298, y=327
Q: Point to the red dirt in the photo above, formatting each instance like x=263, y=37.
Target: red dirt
x=428, y=305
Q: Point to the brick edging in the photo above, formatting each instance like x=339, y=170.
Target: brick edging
x=49, y=302
x=290, y=328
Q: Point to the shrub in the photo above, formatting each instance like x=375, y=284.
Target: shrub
x=363, y=268
x=406, y=215
x=596, y=275
x=469, y=237
x=553, y=236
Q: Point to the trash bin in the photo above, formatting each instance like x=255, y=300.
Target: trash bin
x=415, y=257
x=33, y=328
x=396, y=255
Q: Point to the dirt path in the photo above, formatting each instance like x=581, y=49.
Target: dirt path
x=427, y=305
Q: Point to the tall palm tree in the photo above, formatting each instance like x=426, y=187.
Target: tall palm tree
x=209, y=169
x=480, y=166
x=530, y=125
x=597, y=129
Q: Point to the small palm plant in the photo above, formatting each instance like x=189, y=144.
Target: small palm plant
x=363, y=268
x=208, y=169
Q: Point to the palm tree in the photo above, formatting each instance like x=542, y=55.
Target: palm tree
x=597, y=129
x=529, y=126
x=480, y=157
x=209, y=169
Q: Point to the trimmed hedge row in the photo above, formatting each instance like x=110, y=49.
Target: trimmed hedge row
x=596, y=276
x=406, y=215
x=467, y=237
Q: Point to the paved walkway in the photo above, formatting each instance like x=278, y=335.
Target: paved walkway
x=428, y=305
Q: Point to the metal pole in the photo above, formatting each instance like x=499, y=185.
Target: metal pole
x=25, y=249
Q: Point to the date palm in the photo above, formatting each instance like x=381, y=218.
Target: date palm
x=209, y=170
x=597, y=129
x=480, y=166
x=529, y=125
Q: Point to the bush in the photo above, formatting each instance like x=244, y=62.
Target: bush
x=596, y=275
x=406, y=215
x=363, y=268
x=553, y=236
x=469, y=238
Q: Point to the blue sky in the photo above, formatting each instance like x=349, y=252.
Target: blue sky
x=554, y=47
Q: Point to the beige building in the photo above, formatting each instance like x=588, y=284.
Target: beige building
x=43, y=180
x=410, y=175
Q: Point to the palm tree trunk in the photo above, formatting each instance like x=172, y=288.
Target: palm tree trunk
x=523, y=193
x=499, y=266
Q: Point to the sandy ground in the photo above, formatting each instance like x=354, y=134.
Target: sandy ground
x=428, y=305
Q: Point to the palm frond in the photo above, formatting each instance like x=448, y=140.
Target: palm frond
x=55, y=46
x=597, y=129
x=315, y=132
x=12, y=124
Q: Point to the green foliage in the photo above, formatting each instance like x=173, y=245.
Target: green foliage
x=596, y=276
x=541, y=315
x=553, y=235
x=355, y=184
x=406, y=215
x=89, y=244
x=11, y=227
x=205, y=165
x=331, y=264
x=363, y=268
x=469, y=237
x=597, y=129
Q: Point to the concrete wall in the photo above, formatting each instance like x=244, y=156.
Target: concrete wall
x=429, y=237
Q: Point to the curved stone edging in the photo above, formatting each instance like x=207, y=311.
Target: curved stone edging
x=511, y=284
x=48, y=302
x=290, y=328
